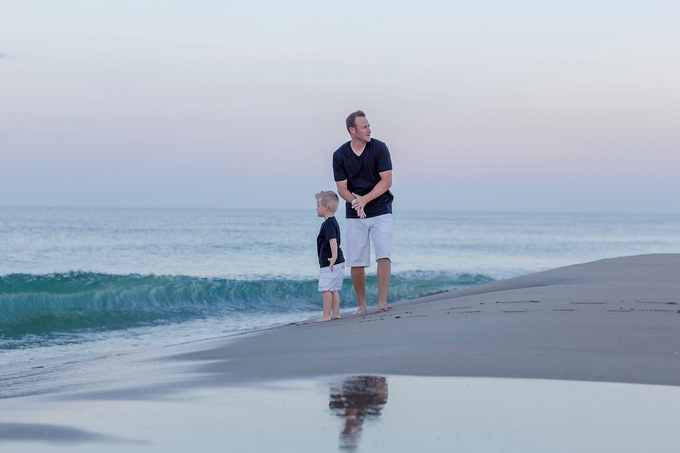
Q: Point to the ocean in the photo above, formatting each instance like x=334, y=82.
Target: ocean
x=81, y=282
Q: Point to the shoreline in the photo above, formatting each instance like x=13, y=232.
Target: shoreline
x=613, y=320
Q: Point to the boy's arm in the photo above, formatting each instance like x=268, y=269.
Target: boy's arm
x=334, y=252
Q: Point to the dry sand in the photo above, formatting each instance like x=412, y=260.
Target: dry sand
x=614, y=320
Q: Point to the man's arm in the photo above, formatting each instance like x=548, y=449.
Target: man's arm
x=360, y=201
x=343, y=191
x=349, y=197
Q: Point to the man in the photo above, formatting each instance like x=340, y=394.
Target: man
x=362, y=169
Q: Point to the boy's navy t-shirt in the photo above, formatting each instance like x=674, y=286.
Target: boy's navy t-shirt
x=329, y=230
x=362, y=174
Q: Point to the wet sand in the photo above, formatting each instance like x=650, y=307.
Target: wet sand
x=363, y=413
x=522, y=346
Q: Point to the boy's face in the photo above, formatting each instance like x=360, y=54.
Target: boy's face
x=321, y=209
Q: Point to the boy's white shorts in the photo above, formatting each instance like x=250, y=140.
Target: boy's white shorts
x=358, y=236
x=331, y=281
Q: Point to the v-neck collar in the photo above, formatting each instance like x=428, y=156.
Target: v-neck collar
x=358, y=156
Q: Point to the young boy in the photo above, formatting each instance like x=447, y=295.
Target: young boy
x=331, y=260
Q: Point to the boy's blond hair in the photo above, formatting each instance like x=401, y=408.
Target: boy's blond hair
x=328, y=198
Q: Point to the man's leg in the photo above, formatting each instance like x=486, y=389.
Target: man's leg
x=359, y=282
x=384, y=272
x=381, y=234
x=358, y=257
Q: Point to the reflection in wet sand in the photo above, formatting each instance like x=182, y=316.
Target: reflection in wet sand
x=356, y=399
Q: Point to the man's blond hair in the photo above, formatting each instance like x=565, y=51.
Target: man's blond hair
x=328, y=198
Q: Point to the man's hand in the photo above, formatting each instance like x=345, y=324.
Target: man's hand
x=332, y=261
x=358, y=204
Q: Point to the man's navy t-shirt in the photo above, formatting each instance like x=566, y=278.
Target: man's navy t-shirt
x=329, y=230
x=362, y=174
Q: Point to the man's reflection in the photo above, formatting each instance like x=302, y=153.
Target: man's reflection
x=357, y=399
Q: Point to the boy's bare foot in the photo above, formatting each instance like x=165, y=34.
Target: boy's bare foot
x=336, y=317
x=360, y=311
x=323, y=319
x=384, y=307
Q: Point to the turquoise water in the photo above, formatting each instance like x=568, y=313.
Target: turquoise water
x=84, y=281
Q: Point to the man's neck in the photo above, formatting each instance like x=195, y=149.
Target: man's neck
x=358, y=146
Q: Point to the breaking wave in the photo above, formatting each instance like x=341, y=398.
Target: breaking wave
x=77, y=301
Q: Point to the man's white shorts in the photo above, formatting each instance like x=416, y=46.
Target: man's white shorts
x=331, y=281
x=358, y=237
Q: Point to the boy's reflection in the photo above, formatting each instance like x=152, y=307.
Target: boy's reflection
x=357, y=399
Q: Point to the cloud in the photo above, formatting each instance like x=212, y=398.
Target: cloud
x=4, y=56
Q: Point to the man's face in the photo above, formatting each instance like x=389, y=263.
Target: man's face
x=362, y=130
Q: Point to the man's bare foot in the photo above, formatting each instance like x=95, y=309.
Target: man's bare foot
x=384, y=307
x=336, y=317
x=323, y=319
x=360, y=311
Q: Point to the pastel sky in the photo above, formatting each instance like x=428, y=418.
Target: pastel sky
x=485, y=105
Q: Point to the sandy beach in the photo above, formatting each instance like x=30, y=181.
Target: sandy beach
x=609, y=321
x=613, y=320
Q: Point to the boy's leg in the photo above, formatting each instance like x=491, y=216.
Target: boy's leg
x=327, y=305
x=335, y=311
x=359, y=282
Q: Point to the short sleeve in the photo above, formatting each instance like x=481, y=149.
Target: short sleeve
x=384, y=159
x=339, y=172
x=329, y=231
